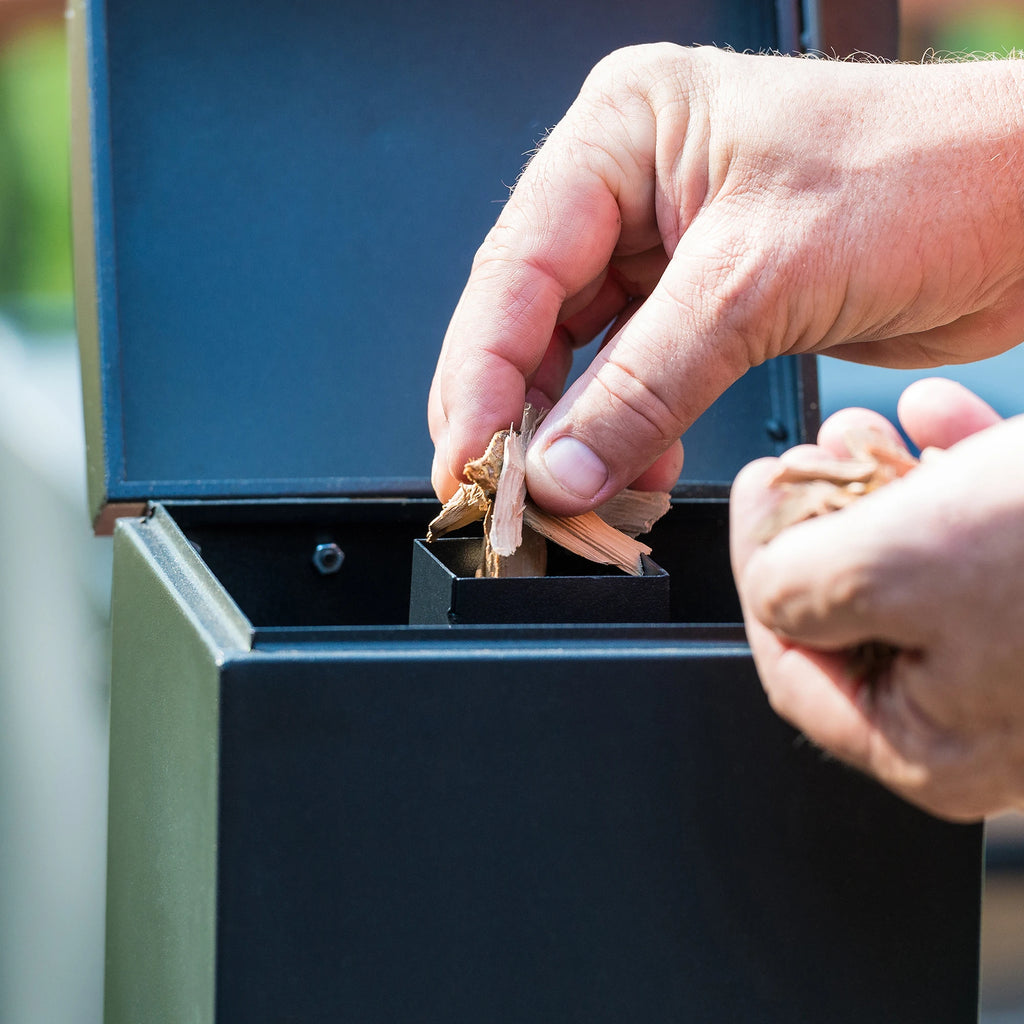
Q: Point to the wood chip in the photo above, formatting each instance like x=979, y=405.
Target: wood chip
x=467, y=505
x=635, y=512
x=835, y=471
x=529, y=559
x=506, y=532
x=813, y=487
x=590, y=536
x=532, y=419
x=486, y=470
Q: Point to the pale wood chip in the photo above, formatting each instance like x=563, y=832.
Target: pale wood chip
x=506, y=526
x=866, y=444
x=893, y=465
x=532, y=419
x=809, y=499
x=488, y=564
x=590, y=536
x=635, y=512
x=515, y=529
x=504, y=534
x=467, y=505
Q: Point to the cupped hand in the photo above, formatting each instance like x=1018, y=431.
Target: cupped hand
x=720, y=209
x=932, y=564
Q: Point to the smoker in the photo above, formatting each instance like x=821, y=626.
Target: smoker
x=319, y=811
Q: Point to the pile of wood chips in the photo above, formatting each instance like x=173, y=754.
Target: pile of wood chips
x=812, y=486
x=515, y=529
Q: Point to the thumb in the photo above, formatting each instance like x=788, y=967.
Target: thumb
x=682, y=348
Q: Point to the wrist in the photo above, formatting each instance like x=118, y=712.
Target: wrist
x=977, y=149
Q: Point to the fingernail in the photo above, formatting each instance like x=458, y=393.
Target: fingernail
x=574, y=467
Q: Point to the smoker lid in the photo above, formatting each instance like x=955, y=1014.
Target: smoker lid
x=276, y=205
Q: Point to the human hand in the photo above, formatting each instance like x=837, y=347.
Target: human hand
x=723, y=209
x=931, y=563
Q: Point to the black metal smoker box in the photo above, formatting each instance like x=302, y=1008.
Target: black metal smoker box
x=317, y=811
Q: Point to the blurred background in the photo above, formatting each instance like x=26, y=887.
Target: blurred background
x=54, y=576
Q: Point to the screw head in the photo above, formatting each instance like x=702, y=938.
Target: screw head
x=327, y=558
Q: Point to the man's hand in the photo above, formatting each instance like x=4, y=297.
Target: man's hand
x=722, y=209
x=930, y=563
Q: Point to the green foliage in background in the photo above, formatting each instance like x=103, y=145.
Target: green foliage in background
x=35, y=246
x=996, y=29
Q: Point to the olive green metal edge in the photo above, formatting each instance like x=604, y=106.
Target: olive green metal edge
x=173, y=627
x=212, y=609
x=84, y=250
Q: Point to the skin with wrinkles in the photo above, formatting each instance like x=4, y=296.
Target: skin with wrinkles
x=720, y=209
x=918, y=566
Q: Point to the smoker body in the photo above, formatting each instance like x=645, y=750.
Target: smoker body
x=320, y=812
x=504, y=823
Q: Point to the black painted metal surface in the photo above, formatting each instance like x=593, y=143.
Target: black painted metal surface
x=446, y=591
x=570, y=831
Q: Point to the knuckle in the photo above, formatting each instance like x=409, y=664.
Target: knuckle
x=502, y=246
x=635, y=398
x=627, y=64
x=805, y=607
x=742, y=287
x=640, y=65
x=853, y=586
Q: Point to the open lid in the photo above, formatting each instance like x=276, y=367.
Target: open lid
x=276, y=205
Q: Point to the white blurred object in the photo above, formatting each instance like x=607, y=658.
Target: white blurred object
x=53, y=685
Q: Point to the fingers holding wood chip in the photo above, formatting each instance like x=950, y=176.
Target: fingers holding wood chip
x=496, y=493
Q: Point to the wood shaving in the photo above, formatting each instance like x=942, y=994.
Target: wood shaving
x=506, y=533
x=529, y=559
x=590, y=536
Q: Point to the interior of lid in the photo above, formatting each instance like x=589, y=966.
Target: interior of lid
x=288, y=198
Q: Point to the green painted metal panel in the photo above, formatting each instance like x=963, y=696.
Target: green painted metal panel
x=83, y=231
x=170, y=631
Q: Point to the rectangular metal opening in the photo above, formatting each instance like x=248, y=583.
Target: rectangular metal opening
x=265, y=555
